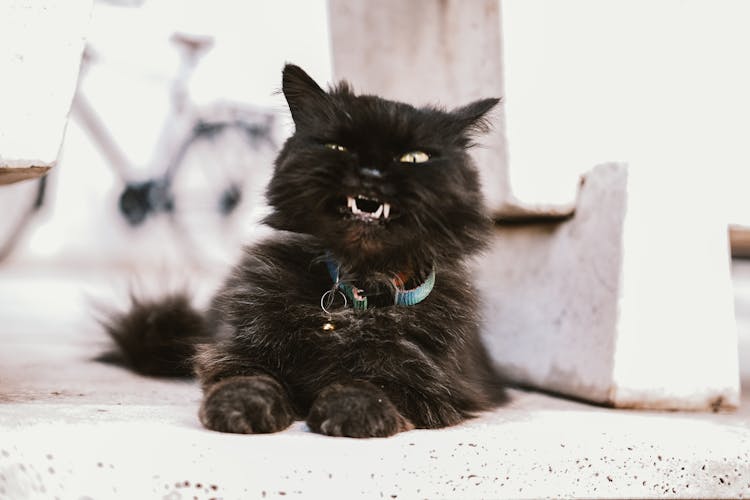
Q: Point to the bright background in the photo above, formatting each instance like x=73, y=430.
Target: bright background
x=661, y=84
x=129, y=87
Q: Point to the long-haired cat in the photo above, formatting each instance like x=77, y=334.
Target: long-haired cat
x=359, y=315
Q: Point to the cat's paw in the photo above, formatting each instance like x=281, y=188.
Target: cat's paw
x=357, y=409
x=246, y=405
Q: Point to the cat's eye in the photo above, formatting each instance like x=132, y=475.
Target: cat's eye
x=414, y=157
x=335, y=147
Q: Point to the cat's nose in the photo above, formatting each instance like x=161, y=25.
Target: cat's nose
x=372, y=173
x=373, y=181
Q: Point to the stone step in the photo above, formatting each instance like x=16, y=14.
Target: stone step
x=627, y=303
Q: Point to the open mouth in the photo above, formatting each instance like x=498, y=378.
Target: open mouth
x=368, y=209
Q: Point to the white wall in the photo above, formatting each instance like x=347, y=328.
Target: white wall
x=645, y=82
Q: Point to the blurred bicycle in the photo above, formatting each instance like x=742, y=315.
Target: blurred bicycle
x=201, y=174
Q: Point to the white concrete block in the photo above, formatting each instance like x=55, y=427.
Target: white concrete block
x=628, y=303
x=41, y=42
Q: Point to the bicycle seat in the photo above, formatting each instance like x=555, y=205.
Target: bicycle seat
x=195, y=44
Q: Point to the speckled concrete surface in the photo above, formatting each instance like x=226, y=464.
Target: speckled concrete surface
x=71, y=427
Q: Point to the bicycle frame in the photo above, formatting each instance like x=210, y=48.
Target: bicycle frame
x=175, y=131
x=181, y=127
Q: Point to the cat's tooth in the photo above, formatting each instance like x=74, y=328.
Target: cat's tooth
x=378, y=212
x=386, y=209
x=355, y=209
x=349, y=202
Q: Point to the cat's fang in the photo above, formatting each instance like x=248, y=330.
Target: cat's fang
x=386, y=210
x=352, y=203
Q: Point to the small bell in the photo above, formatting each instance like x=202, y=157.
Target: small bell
x=328, y=327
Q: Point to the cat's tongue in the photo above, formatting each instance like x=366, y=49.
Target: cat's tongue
x=367, y=208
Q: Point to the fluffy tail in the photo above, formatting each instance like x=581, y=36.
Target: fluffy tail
x=157, y=338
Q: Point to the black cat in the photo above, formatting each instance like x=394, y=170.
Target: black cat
x=360, y=315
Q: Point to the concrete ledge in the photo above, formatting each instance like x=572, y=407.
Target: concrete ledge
x=158, y=451
x=628, y=303
x=739, y=237
x=9, y=175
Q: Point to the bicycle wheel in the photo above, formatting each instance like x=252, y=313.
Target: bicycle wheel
x=20, y=203
x=217, y=189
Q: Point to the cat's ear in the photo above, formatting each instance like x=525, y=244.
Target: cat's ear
x=305, y=98
x=472, y=118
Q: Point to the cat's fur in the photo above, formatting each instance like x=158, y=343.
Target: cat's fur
x=265, y=358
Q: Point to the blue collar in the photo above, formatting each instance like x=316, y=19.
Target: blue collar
x=401, y=297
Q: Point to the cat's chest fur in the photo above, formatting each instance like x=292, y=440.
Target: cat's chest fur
x=271, y=306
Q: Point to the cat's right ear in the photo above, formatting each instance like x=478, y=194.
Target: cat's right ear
x=306, y=100
x=472, y=118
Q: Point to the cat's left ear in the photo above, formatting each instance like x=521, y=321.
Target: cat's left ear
x=472, y=117
x=305, y=97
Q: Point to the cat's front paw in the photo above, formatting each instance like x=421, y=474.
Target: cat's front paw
x=357, y=409
x=246, y=405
